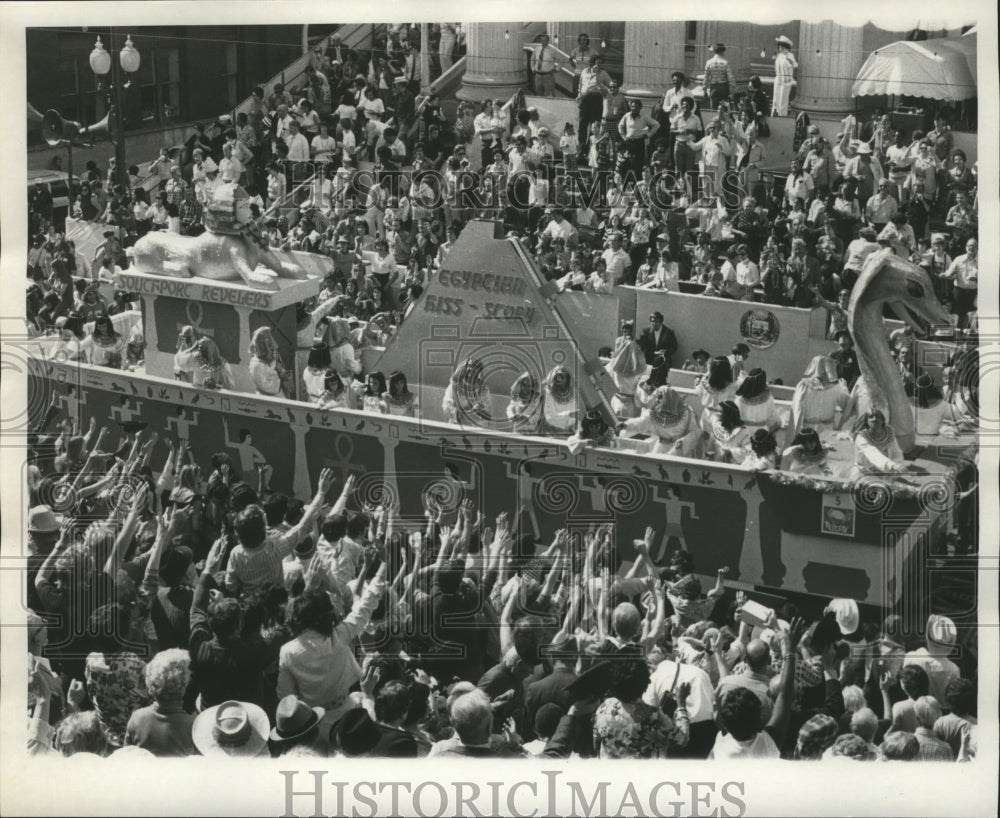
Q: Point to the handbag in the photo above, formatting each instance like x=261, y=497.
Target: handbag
x=668, y=704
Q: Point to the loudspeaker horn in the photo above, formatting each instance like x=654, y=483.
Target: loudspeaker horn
x=57, y=130
x=35, y=118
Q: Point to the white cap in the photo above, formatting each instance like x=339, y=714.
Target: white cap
x=941, y=631
x=846, y=611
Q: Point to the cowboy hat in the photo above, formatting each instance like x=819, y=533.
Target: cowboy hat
x=295, y=720
x=846, y=613
x=592, y=682
x=941, y=631
x=231, y=728
x=783, y=40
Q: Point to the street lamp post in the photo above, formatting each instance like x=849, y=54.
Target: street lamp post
x=101, y=63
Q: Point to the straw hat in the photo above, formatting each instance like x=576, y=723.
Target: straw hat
x=43, y=520
x=231, y=728
x=783, y=40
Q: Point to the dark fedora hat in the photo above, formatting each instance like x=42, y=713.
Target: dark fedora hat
x=295, y=720
x=355, y=734
x=592, y=682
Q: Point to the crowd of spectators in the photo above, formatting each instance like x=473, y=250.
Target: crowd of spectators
x=179, y=606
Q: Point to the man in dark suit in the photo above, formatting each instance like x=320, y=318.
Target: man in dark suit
x=848, y=368
x=392, y=703
x=658, y=338
x=552, y=689
x=340, y=53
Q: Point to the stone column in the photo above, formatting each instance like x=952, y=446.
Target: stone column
x=496, y=62
x=653, y=51
x=830, y=56
x=425, y=56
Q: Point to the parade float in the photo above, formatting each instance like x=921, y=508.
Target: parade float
x=776, y=531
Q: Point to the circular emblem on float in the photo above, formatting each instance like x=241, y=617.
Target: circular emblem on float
x=759, y=328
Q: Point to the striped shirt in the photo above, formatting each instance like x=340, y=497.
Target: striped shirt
x=718, y=72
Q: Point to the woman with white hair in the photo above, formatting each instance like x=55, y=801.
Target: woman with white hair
x=164, y=727
x=820, y=397
x=472, y=717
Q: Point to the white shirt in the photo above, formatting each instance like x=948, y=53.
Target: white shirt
x=965, y=271
x=298, y=148
x=559, y=230
x=799, y=187
x=282, y=128
x=672, y=99
x=230, y=169
x=760, y=746
x=714, y=150
x=349, y=145
x=323, y=147
x=617, y=261
x=699, y=702
x=545, y=59
x=538, y=193
x=747, y=274
x=939, y=668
